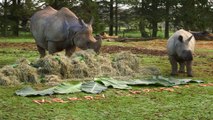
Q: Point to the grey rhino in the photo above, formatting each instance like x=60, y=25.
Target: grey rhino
x=180, y=48
x=58, y=30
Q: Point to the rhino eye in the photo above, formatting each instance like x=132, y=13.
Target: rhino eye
x=87, y=43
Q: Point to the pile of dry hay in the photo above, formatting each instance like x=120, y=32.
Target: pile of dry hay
x=82, y=64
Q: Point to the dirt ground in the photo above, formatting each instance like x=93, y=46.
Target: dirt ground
x=154, y=47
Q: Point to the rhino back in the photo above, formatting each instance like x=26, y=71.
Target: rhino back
x=38, y=23
x=58, y=28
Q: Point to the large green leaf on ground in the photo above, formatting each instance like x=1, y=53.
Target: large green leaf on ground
x=141, y=82
x=155, y=80
x=184, y=81
x=114, y=83
x=175, y=81
x=92, y=87
x=95, y=87
x=63, y=88
x=66, y=88
x=152, y=81
x=29, y=91
x=163, y=81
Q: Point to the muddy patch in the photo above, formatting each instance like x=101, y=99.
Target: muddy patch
x=135, y=50
x=156, y=47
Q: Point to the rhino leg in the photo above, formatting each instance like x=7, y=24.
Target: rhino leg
x=69, y=51
x=174, y=66
x=182, y=67
x=189, y=68
x=41, y=51
x=52, y=48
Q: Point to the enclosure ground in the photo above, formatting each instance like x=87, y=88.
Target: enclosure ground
x=153, y=47
x=187, y=102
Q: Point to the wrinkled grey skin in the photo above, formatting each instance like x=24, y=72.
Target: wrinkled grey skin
x=58, y=30
x=180, y=48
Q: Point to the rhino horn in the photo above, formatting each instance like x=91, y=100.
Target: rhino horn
x=82, y=22
x=91, y=20
x=189, y=38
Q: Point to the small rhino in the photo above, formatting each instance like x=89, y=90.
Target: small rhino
x=180, y=48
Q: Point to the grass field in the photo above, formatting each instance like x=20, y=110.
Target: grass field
x=191, y=102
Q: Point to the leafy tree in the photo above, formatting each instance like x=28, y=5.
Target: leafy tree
x=116, y=17
x=58, y=4
x=204, y=15
x=4, y=17
x=88, y=9
x=111, y=21
x=15, y=13
x=193, y=14
x=145, y=14
x=152, y=11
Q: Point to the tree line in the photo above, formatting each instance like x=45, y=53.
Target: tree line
x=147, y=16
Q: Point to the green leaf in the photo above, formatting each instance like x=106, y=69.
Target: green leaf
x=163, y=81
x=141, y=82
x=57, y=58
x=14, y=65
x=80, y=58
x=155, y=80
x=63, y=88
x=184, y=81
x=66, y=88
x=152, y=81
x=114, y=83
x=29, y=91
x=196, y=81
x=92, y=87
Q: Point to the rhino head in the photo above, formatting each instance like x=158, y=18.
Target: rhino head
x=84, y=38
x=183, y=50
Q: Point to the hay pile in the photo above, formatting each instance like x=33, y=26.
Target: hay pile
x=82, y=64
x=125, y=63
x=19, y=72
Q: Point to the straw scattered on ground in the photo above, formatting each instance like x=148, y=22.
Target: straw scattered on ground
x=82, y=64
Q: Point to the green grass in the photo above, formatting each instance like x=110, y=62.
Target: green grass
x=131, y=34
x=10, y=55
x=188, y=103
x=193, y=103
x=137, y=34
x=106, y=43
x=16, y=39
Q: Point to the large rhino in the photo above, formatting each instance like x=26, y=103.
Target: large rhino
x=180, y=48
x=58, y=30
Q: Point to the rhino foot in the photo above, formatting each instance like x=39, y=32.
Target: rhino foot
x=180, y=71
x=173, y=74
x=190, y=75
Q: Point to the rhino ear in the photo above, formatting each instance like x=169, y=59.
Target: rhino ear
x=180, y=38
x=82, y=22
